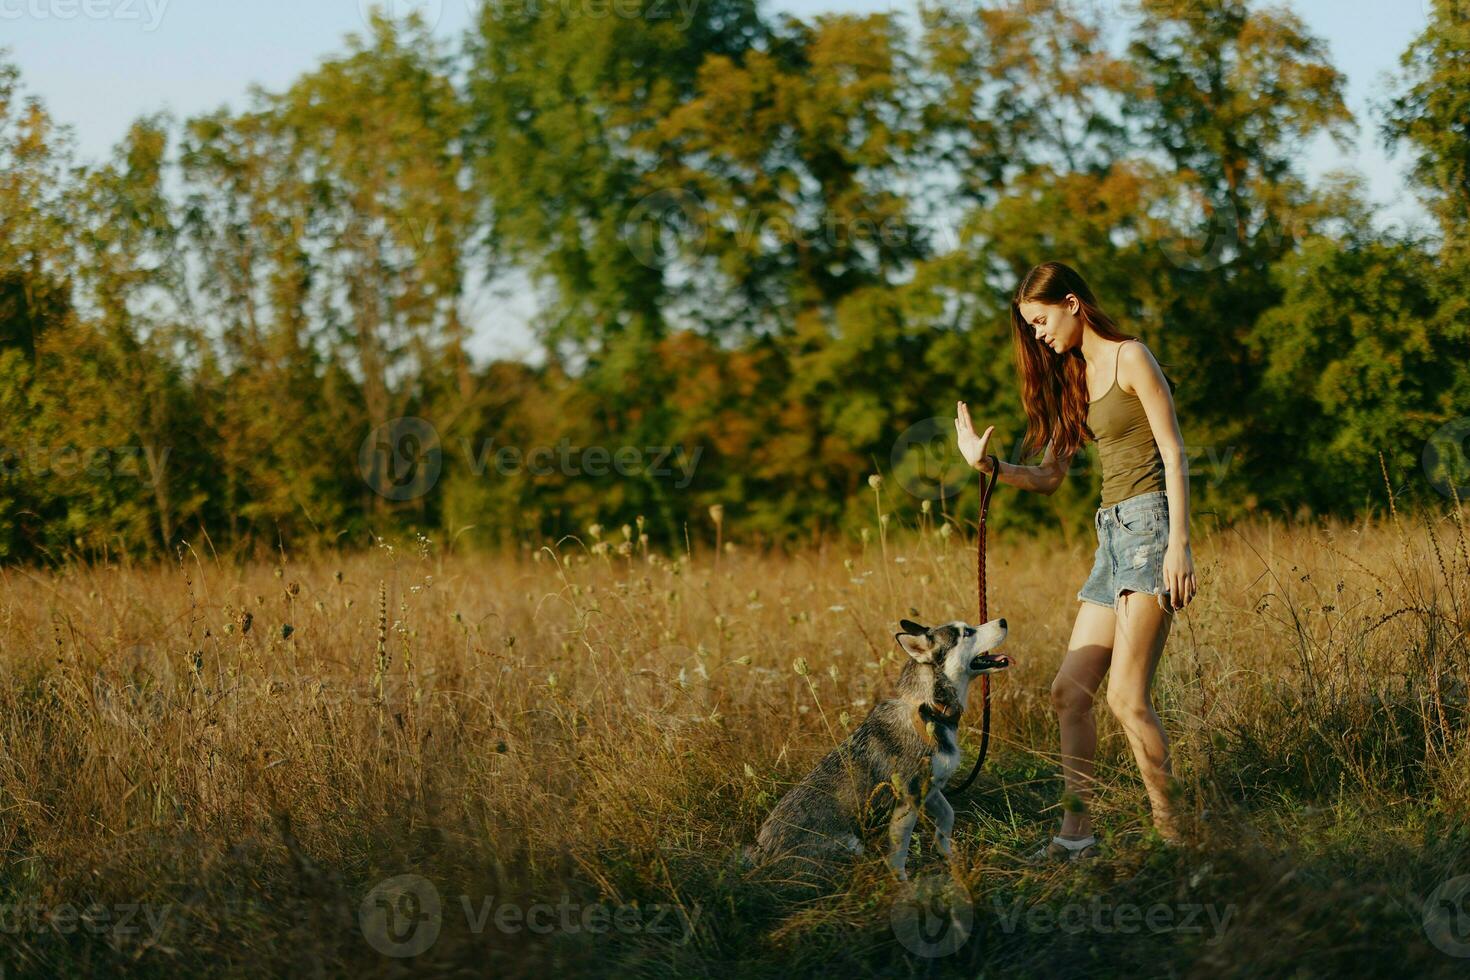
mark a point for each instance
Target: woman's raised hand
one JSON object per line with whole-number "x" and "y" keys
{"x": 973, "y": 447}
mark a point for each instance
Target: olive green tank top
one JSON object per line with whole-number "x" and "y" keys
{"x": 1126, "y": 450}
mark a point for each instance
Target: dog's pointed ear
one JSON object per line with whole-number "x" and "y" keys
{"x": 911, "y": 627}
{"x": 920, "y": 647}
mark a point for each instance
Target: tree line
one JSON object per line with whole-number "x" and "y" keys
{"x": 767, "y": 254}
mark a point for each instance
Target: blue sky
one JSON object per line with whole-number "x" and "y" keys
{"x": 98, "y": 64}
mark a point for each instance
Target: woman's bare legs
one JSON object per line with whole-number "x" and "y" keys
{"x": 1142, "y": 628}
{"x": 1089, "y": 652}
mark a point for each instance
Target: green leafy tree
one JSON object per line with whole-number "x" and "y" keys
{"x": 561, "y": 96}
{"x": 1358, "y": 356}
{"x": 1431, "y": 114}
{"x": 35, "y": 155}
{"x": 337, "y": 228}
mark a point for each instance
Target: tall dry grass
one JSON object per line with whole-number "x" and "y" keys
{"x": 246, "y": 751}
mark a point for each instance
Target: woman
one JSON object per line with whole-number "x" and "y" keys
{"x": 1082, "y": 378}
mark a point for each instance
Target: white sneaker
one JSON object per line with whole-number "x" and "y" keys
{"x": 1063, "y": 849}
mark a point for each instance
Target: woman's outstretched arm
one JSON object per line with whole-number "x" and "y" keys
{"x": 976, "y": 450}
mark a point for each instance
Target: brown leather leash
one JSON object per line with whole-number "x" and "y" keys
{"x": 984, "y": 618}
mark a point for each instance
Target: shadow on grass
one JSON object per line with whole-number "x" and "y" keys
{"x": 1267, "y": 888}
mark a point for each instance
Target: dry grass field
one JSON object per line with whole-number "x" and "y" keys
{"x": 415, "y": 762}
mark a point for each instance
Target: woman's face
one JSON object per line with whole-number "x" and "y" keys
{"x": 1059, "y": 327}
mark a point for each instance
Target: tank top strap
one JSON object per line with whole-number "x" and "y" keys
{"x": 1116, "y": 359}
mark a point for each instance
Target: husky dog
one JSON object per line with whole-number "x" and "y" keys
{"x": 910, "y": 743}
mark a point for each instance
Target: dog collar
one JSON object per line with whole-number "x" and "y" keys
{"x": 927, "y": 713}
{"x": 948, "y": 714}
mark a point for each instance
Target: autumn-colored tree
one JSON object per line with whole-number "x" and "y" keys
{"x": 768, "y": 257}
{"x": 338, "y": 228}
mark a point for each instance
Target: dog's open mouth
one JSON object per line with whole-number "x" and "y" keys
{"x": 986, "y": 662}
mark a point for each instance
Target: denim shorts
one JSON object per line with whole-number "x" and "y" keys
{"x": 1132, "y": 536}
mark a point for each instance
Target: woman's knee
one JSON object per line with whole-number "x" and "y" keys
{"x": 1069, "y": 697}
{"x": 1131, "y": 709}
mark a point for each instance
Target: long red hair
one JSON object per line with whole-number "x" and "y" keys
{"x": 1054, "y": 386}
